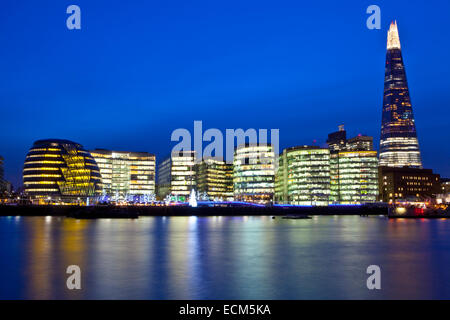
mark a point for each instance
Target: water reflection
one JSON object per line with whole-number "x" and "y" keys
{"x": 224, "y": 258}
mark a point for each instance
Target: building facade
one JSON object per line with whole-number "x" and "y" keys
{"x": 346, "y": 186}
{"x": 2, "y": 176}
{"x": 254, "y": 173}
{"x": 358, "y": 177}
{"x": 176, "y": 175}
{"x": 126, "y": 173}
{"x": 215, "y": 179}
{"x": 408, "y": 183}
{"x": 399, "y": 145}
{"x": 303, "y": 176}
{"x": 60, "y": 170}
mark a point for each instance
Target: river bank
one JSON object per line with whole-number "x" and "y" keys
{"x": 135, "y": 211}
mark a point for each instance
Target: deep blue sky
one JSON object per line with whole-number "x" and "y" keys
{"x": 137, "y": 70}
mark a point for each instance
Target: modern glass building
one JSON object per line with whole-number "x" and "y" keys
{"x": 339, "y": 145}
{"x": 176, "y": 175}
{"x": 303, "y": 176}
{"x": 215, "y": 178}
{"x": 60, "y": 170}
{"x": 358, "y": 177}
{"x": 399, "y": 146}
{"x": 126, "y": 173}
{"x": 254, "y": 173}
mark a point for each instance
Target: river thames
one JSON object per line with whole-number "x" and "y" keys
{"x": 224, "y": 258}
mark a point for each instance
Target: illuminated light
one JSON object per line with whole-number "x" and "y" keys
{"x": 393, "y": 41}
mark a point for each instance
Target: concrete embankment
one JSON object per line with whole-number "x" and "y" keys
{"x": 107, "y": 211}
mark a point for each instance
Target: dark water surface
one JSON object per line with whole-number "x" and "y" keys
{"x": 224, "y": 258}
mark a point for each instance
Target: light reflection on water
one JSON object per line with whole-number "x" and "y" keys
{"x": 224, "y": 258}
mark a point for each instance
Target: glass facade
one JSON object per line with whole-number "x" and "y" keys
{"x": 215, "y": 178}
{"x": 303, "y": 176}
{"x": 60, "y": 169}
{"x": 176, "y": 175}
{"x": 126, "y": 173}
{"x": 254, "y": 173}
{"x": 398, "y": 144}
{"x": 358, "y": 177}
{"x": 338, "y": 145}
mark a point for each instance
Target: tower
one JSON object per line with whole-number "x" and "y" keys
{"x": 399, "y": 146}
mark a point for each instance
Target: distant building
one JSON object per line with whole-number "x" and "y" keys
{"x": 2, "y": 177}
{"x": 399, "y": 146}
{"x": 337, "y": 140}
{"x": 303, "y": 176}
{"x": 126, "y": 173}
{"x": 215, "y": 178}
{"x": 176, "y": 175}
{"x": 445, "y": 185}
{"x": 254, "y": 173}
{"x": 407, "y": 183}
{"x": 358, "y": 177}
{"x": 60, "y": 170}
{"x": 359, "y": 152}
{"x": 360, "y": 143}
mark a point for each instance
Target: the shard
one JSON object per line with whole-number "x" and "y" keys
{"x": 399, "y": 146}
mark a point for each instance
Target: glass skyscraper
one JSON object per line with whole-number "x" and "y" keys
{"x": 399, "y": 146}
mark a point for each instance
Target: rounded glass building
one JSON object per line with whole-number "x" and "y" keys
{"x": 60, "y": 170}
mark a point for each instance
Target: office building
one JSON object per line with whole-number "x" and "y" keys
{"x": 360, "y": 143}
{"x": 342, "y": 152}
{"x": 413, "y": 184}
{"x": 303, "y": 176}
{"x": 60, "y": 170}
{"x": 399, "y": 145}
{"x": 215, "y": 179}
{"x": 126, "y": 173}
{"x": 176, "y": 175}
{"x": 358, "y": 177}
{"x": 254, "y": 173}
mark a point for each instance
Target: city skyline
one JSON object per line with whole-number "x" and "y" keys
{"x": 133, "y": 115}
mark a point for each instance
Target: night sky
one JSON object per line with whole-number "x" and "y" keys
{"x": 137, "y": 70}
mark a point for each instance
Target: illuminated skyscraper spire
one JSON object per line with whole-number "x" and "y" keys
{"x": 393, "y": 41}
{"x": 399, "y": 146}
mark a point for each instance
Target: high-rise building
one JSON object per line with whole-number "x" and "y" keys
{"x": 399, "y": 146}
{"x": 303, "y": 176}
{"x": 126, "y": 173}
{"x": 358, "y": 177}
{"x": 254, "y": 173}
{"x": 407, "y": 183}
{"x": 60, "y": 170}
{"x": 215, "y": 178}
{"x": 176, "y": 175}
{"x": 342, "y": 152}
